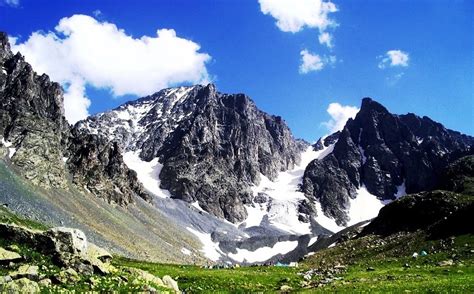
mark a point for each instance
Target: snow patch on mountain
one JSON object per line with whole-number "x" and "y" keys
{"x": 401, "y": 191}
{"x": 185, "y": 251}
{"x": 11, "y": 150}
{"x": 210, "y": 248}
{"x": 325, "y": 221}
{"x": 130, "y": 123}
{"x": 263, "y": 253}
{"x": 197, "y": 206}
{"x": 6, "y": 143}
{"x": 148, "y": 173}
{"x": 312, "y": 241}
{"x": 280, "y": 209}
{"x": 365, "y": 206}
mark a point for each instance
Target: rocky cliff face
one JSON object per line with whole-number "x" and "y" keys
{"x": 96, "y": 165}
{"x": 212, "y": 146}
{"x": 42, "y": 146}
{"x": 385, "y": 153}
{"x": 32, "y": 120}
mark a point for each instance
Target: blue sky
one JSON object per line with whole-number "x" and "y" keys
{"x": 242, "y": 50}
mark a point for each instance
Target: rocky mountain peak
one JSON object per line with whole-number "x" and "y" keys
{"x": 212, "y": 146}
{"x": 41, "y": 144}
{"x": 5, "y": 51}
{"x": 386, "y": 154}
{"x": 368, "y": 104}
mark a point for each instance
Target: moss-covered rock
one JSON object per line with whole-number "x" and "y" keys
{"x": 7, "y": 256}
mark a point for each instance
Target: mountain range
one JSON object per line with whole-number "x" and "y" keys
{"x": 193, "y": 174}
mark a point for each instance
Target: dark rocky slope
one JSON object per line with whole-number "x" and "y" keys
{"x": 213, "y": 146}
{"x": 33, "y": 126}
{"x": 441, "y": 213}
{"x": 382, "y": 151}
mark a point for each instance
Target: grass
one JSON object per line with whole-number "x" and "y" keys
{"x": 6, "y": 216}
{"x": 394, "y": 270}
{"x": 194, "y": 279}
{"x": 121, "y": 281}
{"x": 392, "y": 276}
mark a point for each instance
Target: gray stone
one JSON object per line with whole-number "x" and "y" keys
{"x": 170, "y": 283}
{"x": 67, "y": 246}
{"x": 25, "y": 271}
{"x": 67, "y": 276}
{"x": 45, "y": 282}
{"x": 285, "y": 288}
{"x": 7, "y": 256}
{"x": 145, "y": 276}
{"x": 448, "y": 262}
{"x": 5, "y": 279}
{"x": 22, "y": 285}
{"x": 68, "y": 240}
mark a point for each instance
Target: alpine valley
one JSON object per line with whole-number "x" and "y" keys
{"x": 190, "y": 175}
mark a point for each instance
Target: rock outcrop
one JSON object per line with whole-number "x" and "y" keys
{"x": 384, "y": 153}
{"x": 32, "y": 121}
{"x": 212, "y": 146}
{"x": 96, "y": 164}
{"x": 67, "y": 247}
{"x": 62, "y": 258}
{"x": 442, "y": 213}
{"x": 44, "y": 148}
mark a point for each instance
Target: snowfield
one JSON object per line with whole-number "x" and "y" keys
{"x": 210, "y": 249}
{"x": 263, "y": 253}
{"x": 148, "y": 173}
{"x": 281, "y": 208}
{"x": 365, "y": 206}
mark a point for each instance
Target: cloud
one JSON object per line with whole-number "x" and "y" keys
{"x": 12, "y": 3}
{"x": 394, "y": 58}
{"x": 97, "y": 13}
{"x": 339, "y": 116}
{"x": 325, "y": 39}
{"x": 310, "y": 62}
{"x": 314, "y": 62}
{"x": 293, "y": 15}
{"x": 83, "y": 51}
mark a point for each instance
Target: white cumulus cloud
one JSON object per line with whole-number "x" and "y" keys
{"x": 83, "y": 51}
{"x": 394, "y": 58}
{"x": 339, "y": 116}
{"x": 314, "y": 62}
{"x": 294, "y": 15}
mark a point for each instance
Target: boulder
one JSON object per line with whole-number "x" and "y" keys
{"x": 25, "y": 271}
{"x": 67, "y": 276}
{"x": 448, "y": 262}
{"x": 45, "y": 282}
{"x": 145, "y": 276}
{"x": 5, "y": 279}
{"x": 68, "y": 247}
{"x": 285, "y": 288}
{"x": 22, "y": 285}
{"x": 68, "y": 240}
{"x": 8, "y": 256}
{"x": 99, "y": 258}
{"x": 170, "y": 283}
